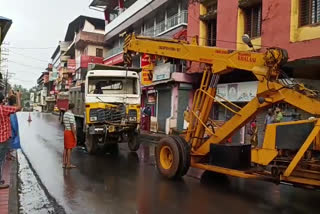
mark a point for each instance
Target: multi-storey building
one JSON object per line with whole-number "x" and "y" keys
{"x": 85, "y": 36}
{"x": 42, "y": 91}
{"x": 289, "y": 24}
{"x": 83, "y": 44}
{"x": 168, "y": 89}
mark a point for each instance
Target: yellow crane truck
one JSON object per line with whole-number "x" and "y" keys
{"x": 290, "y": 150}
{"x": 107, "y": 108}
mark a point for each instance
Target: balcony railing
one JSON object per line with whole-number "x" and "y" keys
{"x": 114, "y": 51}
{"x": 166, "y": 25}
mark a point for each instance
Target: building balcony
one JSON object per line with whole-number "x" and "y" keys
{"x": 113, "y": 52}
{"x": 83, "y": 61}
{"x": 168, "y": 24}
{"x": 64, "y": 58}
{"x": 83, "y": 38}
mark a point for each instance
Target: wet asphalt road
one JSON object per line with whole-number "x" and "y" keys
{"x": 129, "y": 182}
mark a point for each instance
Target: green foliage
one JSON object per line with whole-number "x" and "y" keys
{"x": 25, "y": 94}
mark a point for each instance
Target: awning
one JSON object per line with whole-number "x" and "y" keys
{"x": 5, "y": 24}
{"x": 160, "y": 82}
{"x": 103, "y": 3}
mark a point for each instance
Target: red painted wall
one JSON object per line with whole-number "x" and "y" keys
{"x": 193, "y": 30}
{"x": 227, "y": 24}
{"x": 85, "y": 60}
{"x": 193, "y": 21}
{"x": 276, "y": 30}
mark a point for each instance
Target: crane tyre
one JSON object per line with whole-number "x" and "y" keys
{"x": 168, "y": 158}
{"x": 184, "y": 150}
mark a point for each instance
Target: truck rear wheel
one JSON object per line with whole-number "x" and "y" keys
{"x": 91, "y": 144}
{"x": 133, "y": 142}
{"x": 172, "y": 157}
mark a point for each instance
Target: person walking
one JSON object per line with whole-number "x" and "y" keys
{"x": 5, "y": 131}
{"x": 70, "y": 136}
{"x": 278, "y": 116}
{"x": 15, "y": 138}
{"x": 254, "y": 133}
{"x": 269, "y": 118}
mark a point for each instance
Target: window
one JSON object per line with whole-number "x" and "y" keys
{"x": 253, "y": 21}
{"x": 99, "y": 52}
{"x": 112, "y": 85}
{"x": 212, "y": 32}
{"x": 309, "y": 12}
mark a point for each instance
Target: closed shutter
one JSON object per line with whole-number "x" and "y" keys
{"x": 164, "y": 108}
{"x": 183, "y": 101}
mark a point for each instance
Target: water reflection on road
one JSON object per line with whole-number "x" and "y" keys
{"x": 129, "y": 182}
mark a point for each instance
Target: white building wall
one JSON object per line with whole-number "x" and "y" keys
{"x": 91, "y": 50}
{"x": 88, "y": 27}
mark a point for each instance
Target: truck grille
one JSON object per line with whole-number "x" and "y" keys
{"x": 115, "y": 115}
{"x": 99, "y": 113}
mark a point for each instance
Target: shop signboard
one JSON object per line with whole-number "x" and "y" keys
{"x": 162, "y": 72}
{"x": 71, "y": 64}
{"x": 53, "y": 75}
{"x": 114, "y": 60}
{"x": 152, "y": 98}
{"x": 146, "y": 73}
{"x": 237, "y": 92}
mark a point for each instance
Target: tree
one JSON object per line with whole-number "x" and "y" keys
{"x": 25, "y": 93}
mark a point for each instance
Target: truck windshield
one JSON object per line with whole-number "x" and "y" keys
{"x": 112, "y": 85}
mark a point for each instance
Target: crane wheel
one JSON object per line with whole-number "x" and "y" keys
{"x": 184, "y": 149}
{"x": 172, "y": 157}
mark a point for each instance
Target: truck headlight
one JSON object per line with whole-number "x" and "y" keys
{"x": 132, "y": 119}
{"x": 93, "y": 119}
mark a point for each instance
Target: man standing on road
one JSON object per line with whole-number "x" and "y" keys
{"x": 5, "y": 131}
{"x": 278, "y": 116}
{"x": 269, "y": 118}
{"x": 70, "y": 136}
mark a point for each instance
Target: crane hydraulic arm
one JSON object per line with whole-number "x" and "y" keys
{"x": 222, "y": 59}
{"x": 266, "y": 68}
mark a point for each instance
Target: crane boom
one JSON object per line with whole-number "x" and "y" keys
{"x": 222, "y": 59}
{"x": 266, "y": 66}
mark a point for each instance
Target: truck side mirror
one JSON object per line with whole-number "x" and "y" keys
{"x": 82, "y": 88}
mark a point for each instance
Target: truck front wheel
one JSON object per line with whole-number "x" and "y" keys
{"x": 133, "y": 142}
{"x": 91, "y": 144}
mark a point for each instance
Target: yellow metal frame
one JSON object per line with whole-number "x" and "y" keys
{"x": 265, "y": 67}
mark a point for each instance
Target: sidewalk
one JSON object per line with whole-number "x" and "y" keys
{"x": 9, "y": 197}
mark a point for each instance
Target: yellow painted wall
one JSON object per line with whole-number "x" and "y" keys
{"x": 203, "y": 27}
{"x": 304, "y": 33}
{"x": 240, "y": 31}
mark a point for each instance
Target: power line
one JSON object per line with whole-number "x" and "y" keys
{"x": 38, "y": 48}
{"x": 21, "y": 64}
{"x": 40, "y": 60}
{"x": 13, "y": 79}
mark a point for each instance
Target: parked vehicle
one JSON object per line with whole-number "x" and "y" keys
{"x": 107, "y": 107}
